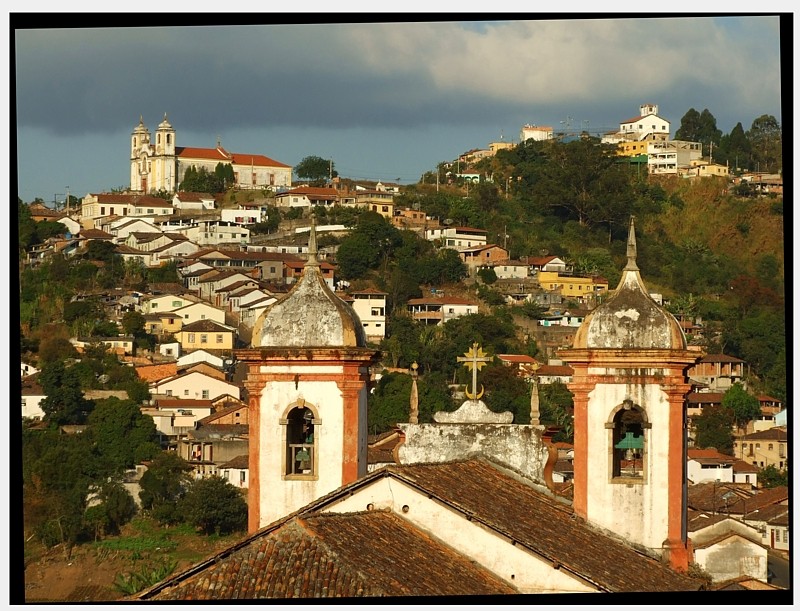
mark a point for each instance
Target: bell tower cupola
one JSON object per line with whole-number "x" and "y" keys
{"x": 629, "y": 385}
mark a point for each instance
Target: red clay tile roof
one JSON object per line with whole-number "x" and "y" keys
{"x": 362, "y": 554}
{"x": 153, "y": 373}
{"x": 542, "y": 524}
{"x": 517, "y": 358}
{"x": 238, "y": 462}
{"x": 184, "y": 403}
{"x": 206, "y": 325}
{"x": 555, "y": 370}
{"x": 719, "y": 358}
{"x": 775, "y": 433}
{"x": 137, "y": 200}
{"x": 221, "y": 154}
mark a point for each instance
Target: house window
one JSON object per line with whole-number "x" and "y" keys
{"x": 301, "y": 434}
{"x": 202, "y": 316}
{"x": 781, "y": 451}
{"x": 219, "y": 338}
{"x": 169, "y": 392}
{"x": 171, "y": 321}
{"x": 205, "y": 394}
{"x": 176, "y": 304}
{"x": 203, "y": 338}
{"x": 241, "y": 477}
{"x": 185, "y": 392}
{"x": 769, "y": 447}
{"x": 377, "y": 311}
{"x": 628, "y": 441}
{"x": 191, "y": 338}
{"x": 102, "y": 209}
{"x": 786, "y": 536}
{"x": 149, "y": 211}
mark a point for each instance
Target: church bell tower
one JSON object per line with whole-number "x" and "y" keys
{"x": 629, "y": 359}
{"x": 308, "y": 384}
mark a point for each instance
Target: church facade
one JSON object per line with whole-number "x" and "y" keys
{"x": 157, "y": 163}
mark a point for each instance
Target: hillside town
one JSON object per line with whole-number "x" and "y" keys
{"x": 250, "y": 336}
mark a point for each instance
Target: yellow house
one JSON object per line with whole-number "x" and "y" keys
{"x": 632, "y": 148}
{"x": 572, "y": 286}
{"x": 206, "y": 335}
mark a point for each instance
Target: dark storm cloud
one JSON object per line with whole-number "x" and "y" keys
{"x": 76, "y": 81}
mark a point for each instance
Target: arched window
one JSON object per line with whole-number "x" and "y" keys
{"x": 628, "y": 441}
{"x": 301, "y": 448}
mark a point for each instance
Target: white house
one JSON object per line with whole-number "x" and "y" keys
{"x": 152, "y": 304}
{"x": 71, "y": 224}
{"x": 242, "y": 216}
{"x": 510, "y": 270}
{"x": 97, "y": 205}
{"x": 236, "y": 471}
{"x": 671, "y": 156}
{"x": 370, "y": 305}
{"x": 200, "y": 311}
{"x": 121, "y": 228}
{"x": 32, "y": 396}
{"x": 457, "y": 237}
{"x": 727, "y": 548}
{"x": 201, "y": 356}
{"x": 185, "y": 200}
{"x": 27, "y": 370}
{"x": 647, "y": 125}
{"x": 438, "y": 310}
{"x": 194, "y": 385}
{"x": 708, "y": 465}
{"x": 213, "y": 232}
{"x": 172, "y": 350}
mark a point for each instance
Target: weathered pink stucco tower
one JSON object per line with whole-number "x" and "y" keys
{"x": 308, "y": 383}
{"x": 629, "y": 357}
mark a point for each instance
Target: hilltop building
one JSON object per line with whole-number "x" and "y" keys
{"x": 160, "y": 164}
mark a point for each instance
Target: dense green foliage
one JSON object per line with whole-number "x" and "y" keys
{"x": 771, "y": 477}
{"x": 714, "y": 429}
{"x": 315, "y": 169}
{"x": 202, "y": 181}
{"x": 390, "y": 403}
{"x": 745, "y": 407}
{"x": 213, "y": 505}
{"x": 163, "y": 486}
{"x": 122, "y": 434}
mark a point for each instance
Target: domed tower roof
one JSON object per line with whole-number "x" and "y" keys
{"x": 630, "y": 318}
{"x": 141, "y": 128}
{"x": 164, "y": 124}
{"x": 310, "y": 315}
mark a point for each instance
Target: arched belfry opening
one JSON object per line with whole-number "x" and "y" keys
{"x": 628, "y": 428}
{"x": 300, "y": 426}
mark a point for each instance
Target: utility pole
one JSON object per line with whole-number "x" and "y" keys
{"x": 67, "y": 200}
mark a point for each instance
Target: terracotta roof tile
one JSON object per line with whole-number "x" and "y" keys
{"x": 330, "y": 556}
{"x": 153, "y": 373}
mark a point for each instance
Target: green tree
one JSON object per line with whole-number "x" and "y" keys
{"x": 771, "y": 477}
{"x": 100, "y": 250}
{"x": 735, "y": 149}
{"x": 555, "y": 408}
{"x": 507, "y": 391}
{"x": 690, "y": 128}
{"x": 745, "y": 407}
{"x": 487, "y": 275}
{"x": 224, "y": 176}
{"x": 116, "y": 507}
{"x": 765, "y": 138}
{"x": 133, "y": 323}
{"x": 56, "y": 349}
{"x": 213, "y": 505}
{"x": 714, "y": 429}
{"x": 64, "y": 403}
{"x": 163, "y": 485}
{"x": 584, "y": 181}
{"x": 122, "y": 434}
{"x": 315, "y": 169}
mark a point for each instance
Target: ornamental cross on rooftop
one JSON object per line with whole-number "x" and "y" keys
{"x": 474, "y": 359}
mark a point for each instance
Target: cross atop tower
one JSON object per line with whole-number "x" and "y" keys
{"x": 475, "y": 358}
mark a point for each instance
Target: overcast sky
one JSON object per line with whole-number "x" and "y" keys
{"x": 382, "y": 100}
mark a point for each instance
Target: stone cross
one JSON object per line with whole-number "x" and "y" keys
{"x": 475, "y": 358}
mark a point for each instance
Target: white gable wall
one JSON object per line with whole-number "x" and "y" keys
{"x": 512, "y": 563}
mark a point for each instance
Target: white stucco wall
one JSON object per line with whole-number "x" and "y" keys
{"x": 280, "y": 496}
{"x": 733, "y": 557}
{"x": 514, "y": 564}
{"x": 697, "y": 474}
{"x": 634, "y": 511}
{"x": 30, "y": 406}
{"x": 517, "y": 446}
